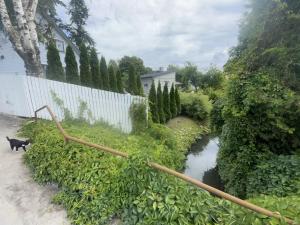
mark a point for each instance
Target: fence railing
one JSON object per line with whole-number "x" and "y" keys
{"x": 167, "y": 170}
{"x": 20, "y": 95}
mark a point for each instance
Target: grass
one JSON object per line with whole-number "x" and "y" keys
{"x": 186, "y": 131}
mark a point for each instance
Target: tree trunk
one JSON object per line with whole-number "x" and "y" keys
{"x": 23, "y": 36}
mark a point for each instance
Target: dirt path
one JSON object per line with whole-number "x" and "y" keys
{"x": 22, "y": 201}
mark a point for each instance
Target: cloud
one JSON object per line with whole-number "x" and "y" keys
{"x": 164, "y": 32}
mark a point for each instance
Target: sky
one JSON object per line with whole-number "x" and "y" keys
{"x": 164, "y": 32}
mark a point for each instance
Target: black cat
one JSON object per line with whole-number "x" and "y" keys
{"x": 17, "y": 143}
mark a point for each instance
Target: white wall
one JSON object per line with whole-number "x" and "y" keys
{"x": 170, "y": 78}
{"x": 10, "y": 61}
{"x": 21, "y": 95}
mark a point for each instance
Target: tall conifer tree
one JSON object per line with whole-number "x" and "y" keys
{"x": 178, "y": 104}
{"x": 112, "y": 79}
{"x": 166, "y": 102}
{"x": 173, "y": 107}
{"x": 55, "y": 69}
{"x": 85, "y": 73}
{"x": 160, "y": 104}
{"x": 153, "y": 103}
{"x": 104, "y": 74}
{"x": 95, "y": 69}
{"x": 72, "y": 75}
{"x": 119, "y": 82}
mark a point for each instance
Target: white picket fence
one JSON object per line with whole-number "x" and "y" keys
{"x": 20, "y": 95}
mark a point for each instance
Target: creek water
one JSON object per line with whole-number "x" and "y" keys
{"x": 201, "y": 161}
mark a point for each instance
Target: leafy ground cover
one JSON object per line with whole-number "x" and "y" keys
{"x": 186, "y": 131}
{"x": 95, "y": 186}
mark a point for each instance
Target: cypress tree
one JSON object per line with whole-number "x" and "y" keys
{"x": 119, "y": 82}
{"x": 95, "y": 69}
{"x": 139, "y": 86}
{"x": 153, "y": 103}
{"x": 166, "y": 97}
{"x": 104, "y": 74}
{"x": 112, "y": 79}
{"x": 72, "y": 75}
{"x": 55, "y": 69}
{"x": 85, "y": 73}
{"x": 160, "y": 105}
{"x": 178, "y": 104}
{"x": 132, "y": 87}
{"x": 173, "y": 107}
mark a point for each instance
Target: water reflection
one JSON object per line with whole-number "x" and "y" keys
{"x": 202, "y": 161}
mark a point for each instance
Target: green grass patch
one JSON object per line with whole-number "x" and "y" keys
{"x": 186, "y": 131}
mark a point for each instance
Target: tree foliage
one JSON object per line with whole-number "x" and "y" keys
{"x": 261, "y": 118}
{"x": 55, "y": 69}
{"x": 166, "y": 103}
{"x": 72, "y": 75}
{"x": 277, "y": 54}
{"x": 112, "y": 79}
{"x": 132, "y": 84}
{"x": 178, "y": 102}
{"x": 213, "y": 78}
{"x": 160, "y": 104}
{"x": 195, "y": 105}
{"x": 95, "y": 69}
{"x": 261, "y": 109}
{"x": 78, "y": 15}
{"x": 104, "y": 74}
{"x": 138, "y": 63}
{"x": 173, "y": 107}
{"x": 153, "y": 103}
{"x": 85, "y": 73}
{"x": 119, "y": 82}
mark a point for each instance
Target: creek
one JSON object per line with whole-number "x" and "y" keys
{"x": 201, "y": 161}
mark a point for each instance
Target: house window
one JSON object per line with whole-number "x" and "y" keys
{"x": 145, "y": 85}
{"x": 60, "y": 45}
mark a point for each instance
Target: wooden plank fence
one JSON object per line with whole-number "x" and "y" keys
{"x": 20, "y": 95}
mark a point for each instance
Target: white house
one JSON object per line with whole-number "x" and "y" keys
{"x": 164, "y": 77}
{"x": 10, "y": 61}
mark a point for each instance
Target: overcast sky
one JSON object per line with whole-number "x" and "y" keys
{"x": 164, "y": 32}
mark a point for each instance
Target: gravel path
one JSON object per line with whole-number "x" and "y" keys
{"x": 22, "y": 201}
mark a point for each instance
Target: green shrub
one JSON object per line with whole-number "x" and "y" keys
{"x": 163, "y": 134}
{"x": 195, "y": 105}
{"x": 278, "y": 176}
{"x": 216, "y": 118}
{"x": 261, "y": 119}
{"x": 138, "y": 115}
{"x": 95, "y": 186}
{"x": 286, "y": 206}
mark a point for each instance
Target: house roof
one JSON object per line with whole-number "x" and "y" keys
{"x": 155, "y": 74}
{"x": 60, "y": 31}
